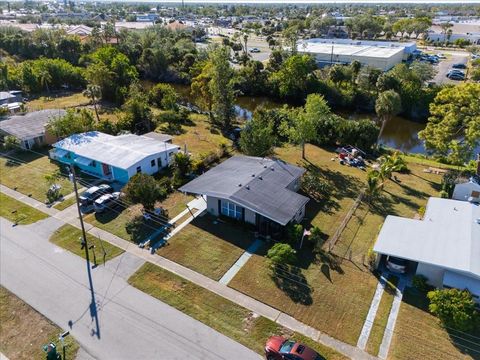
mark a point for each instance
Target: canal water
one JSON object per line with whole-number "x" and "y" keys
{"x": 399, "y": 133}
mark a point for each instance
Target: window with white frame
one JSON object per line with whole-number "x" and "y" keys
{"x": 231, "y": 210}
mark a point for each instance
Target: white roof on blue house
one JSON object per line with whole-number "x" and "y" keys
{"x": 123, "y": 151}
{"x": 448, "y": 236}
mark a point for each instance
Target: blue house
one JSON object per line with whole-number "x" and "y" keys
{"x": 114, "y": 158}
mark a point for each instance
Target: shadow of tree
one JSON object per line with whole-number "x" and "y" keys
{"x": 332, "y": 261}
{"x": 382, "y": 205}
{"x": 292, "y": 282}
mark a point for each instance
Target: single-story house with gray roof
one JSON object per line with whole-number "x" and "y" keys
{"x": 259, "y": 191}
{"x": 29, "y": 129}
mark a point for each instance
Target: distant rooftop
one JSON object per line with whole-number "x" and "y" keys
{"x": 349, "y": 49}
{"x": 121, "y": 151}
{"x": 30, "y": 125}
{"x": 259, "y": 184}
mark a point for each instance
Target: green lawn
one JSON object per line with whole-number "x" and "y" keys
{"x": 115, "y": 221}
{"x": 68, "y": 237}
{"x": 217, "y": 312}
{"x": 25, "y": 172}
{"x": 330, "y": 296}
{"x": 24, "y": 331}
{"x": 381, "y": 318}
{"x": 419, "y": 335}
{"x": 62, "y": 205}
{"x": 208, "y": 248}
{"x": 402, "y": 199}
{"x": 17, "y": 212}
{"x": 58, "y": 102}
{"x": 199, "y": 137}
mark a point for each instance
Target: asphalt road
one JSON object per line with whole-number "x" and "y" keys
{"x": 121, "y": 322}
{"x": 445, "y": 65}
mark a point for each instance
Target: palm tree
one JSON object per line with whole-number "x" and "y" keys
{"x": 388, "y": 104}
{"x": 44, "y": 78}
{"x": 390, "y": 164}
{"x": 93, "y": 92}
{"x": 373, "y": 186}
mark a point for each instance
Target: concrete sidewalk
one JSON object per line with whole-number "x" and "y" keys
{"x": 28, "y": 200}
{"x": 222, "y": 290}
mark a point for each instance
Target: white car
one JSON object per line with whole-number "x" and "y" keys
{"x": 106, "y": 201}
{"x": 441, "y": 56}
{"x": 396, "y": 264}
{"x": 255, "y": 50}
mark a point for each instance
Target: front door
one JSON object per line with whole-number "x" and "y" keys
{"x": 106, "y": 169}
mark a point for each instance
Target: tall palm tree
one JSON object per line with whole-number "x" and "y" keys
{"x": 93, "y": 92}
{"x": 44, "y": 78}
{"x": 388, "y": 104}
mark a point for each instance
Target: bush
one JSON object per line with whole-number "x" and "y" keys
{"x": 164, "y": 96}
{"x": 371, "y": 259}
{"x": 11, "y": 143}
{"x": 144, "y": 189}
{"x": 421, "y": 211}
{"x": 443, "y": 194}
{"x": 281, "y": 253}
{"x": 294, "y": 232}
{"x": 455, "y": 308}
{"x": 419, "y": 282}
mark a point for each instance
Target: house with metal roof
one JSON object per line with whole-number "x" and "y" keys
{"x": 115, "y": 158}
{"x": 258, "y": 191}
{"x": 445, "y": 245}
{"x": 29, "y": 128}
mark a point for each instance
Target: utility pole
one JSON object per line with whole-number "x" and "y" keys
{"x": 73, "y": 178}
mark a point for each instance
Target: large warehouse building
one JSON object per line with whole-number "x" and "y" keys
{"x": 379, "y": 54}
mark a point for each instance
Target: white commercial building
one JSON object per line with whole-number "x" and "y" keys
{"x": 445, "y": 244}
{"x": 379, "y": 54}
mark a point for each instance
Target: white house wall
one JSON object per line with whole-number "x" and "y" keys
{"x": 146, "y": 163}
{"x": 212, "y": 205}
{"x": 434, "y": 274}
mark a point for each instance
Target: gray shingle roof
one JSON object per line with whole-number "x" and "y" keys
{"x": 258, "y": 184}
{"x": 30, "y": 125}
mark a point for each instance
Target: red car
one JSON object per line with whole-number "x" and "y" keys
{"x": 279, "y": 348}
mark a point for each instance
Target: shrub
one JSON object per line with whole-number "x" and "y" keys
{"x": 421, "y": 211}
{"x": 371, "y": 259}
{"x": 455, "y": 308}
{"x": 10, "y": 142}
{"x": 419, "y": 282}
{"x": 294, "y": 232}
{"x": 443, "y": 194}
{"x": 281, "y": 253}
{"x": 144, "y": 189}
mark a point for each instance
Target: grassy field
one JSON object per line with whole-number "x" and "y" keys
{"x": 115, "y": 221}
{"x": 58, "y": 102}
{"x": 62, "y": 205}
{"x": 199, "y": 137}
{"x": 18, "y": 212}
{"x": 25, "y": 172}
{"x": 323, "y": 293}
{"x": 402, "y": 198}
{"x": 208, "y": 248}
{"x": 68, "y": 237}
{"x": 418, "y": 334}
{"x": 220, "y": 314}
{"x": 24, "y": 331}
{"x": 381, "y": 318}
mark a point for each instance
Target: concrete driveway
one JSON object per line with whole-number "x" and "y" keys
{"x": 115, "y": 320}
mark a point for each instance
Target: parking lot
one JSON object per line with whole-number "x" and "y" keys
{"x": 445, "y": 65}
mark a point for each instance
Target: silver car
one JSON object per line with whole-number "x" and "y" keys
{"x": 396, "y": 264}
{"x": 106, "y": 201}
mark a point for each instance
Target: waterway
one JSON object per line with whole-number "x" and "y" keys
{"x": 399, "y": 133}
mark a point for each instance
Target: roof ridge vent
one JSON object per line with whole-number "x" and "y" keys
{"x": 253, "y": 175}
{"x": 248, "y": 187}
{"x": 260, "y": 177}
{"x": 239, "y": 185}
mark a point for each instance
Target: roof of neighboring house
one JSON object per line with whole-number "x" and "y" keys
{"x": 80, "y": 30}
{"x": 176, "y": 26}
{"x": 448, "y": 236}
{"x": 258, "y": 184}
{"x": 121, "y": 151}
{"x": 159, "y": 136}
{"x": 30, "y": 125}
